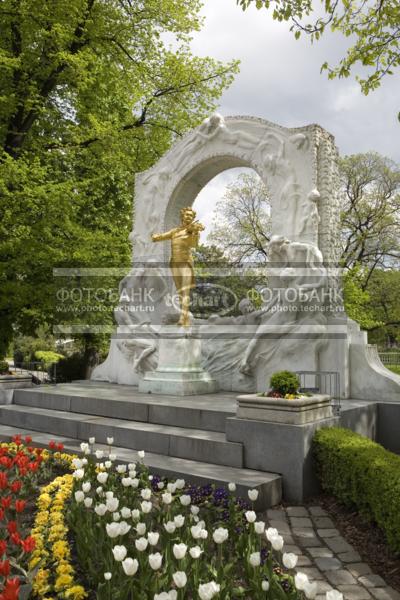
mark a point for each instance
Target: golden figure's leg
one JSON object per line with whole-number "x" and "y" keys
{"x": 183, "y": 279}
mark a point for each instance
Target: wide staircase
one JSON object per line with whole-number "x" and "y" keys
{"x": 182, "y": 437}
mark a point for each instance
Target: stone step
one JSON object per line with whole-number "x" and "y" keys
{"x": 200, "y": 412}
{"x": 180, "y": 442}
{"x": 269, "y": 485}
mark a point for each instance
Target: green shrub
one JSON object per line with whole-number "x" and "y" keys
{"x": 69, "y": 368}
{"x": 285, "y": 382}
{"x": 4, "y": 368}
{"x": 394, "y": 368}
{"x": 362, "y": 474}
{"x": 47, "y": 357}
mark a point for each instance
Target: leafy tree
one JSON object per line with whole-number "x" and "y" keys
{"x": 357, "y": 300}
{"x": 374, "y": 27}
{"x": 92, "y": 92}
{"x": 242, "y": 224}
{"x": 370, "y": 216}
{"x": 384, "y": 291}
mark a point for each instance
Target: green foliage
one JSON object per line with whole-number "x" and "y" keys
{"x": 394, "y": 368}
{"x": 4, "y": 368}
{"x": 357, "y": 300}
{"x": 69, "y": 368}
{"x": 92, "y": 93}
{"x": 285, "y": 382}
{"x": 26, "y": 347}
{"x": 47, "y": 357}
{"x": 384, "y": 291}
{"x": 374, "y": 27}
{"x": 362, "y": 474}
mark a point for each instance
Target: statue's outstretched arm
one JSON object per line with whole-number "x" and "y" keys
{"x": 160, "y": 237}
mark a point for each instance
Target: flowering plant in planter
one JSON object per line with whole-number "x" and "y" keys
{"x": 284, "y": 384}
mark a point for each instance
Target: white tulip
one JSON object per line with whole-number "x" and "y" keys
{"x": 179, "y": 520}
{"x": 255, "y": 559}
{"x": 112, "y": 504}
{"x": 180, "y": 579}
{"x": 79, "y": 474}
{"x": 195, "y": 552}
{"x": 84, "y": 461}
{"x": 289, "y": 560}
{"x": 112, "y": 457}
{"x": 265, "y": 585}
{"x": 180, "y": 484}
{"x": 204, "y": 534}
{"x": 110, "y": 494}
{"x": 79, "y": 496}
{"x": 146, "y": 506}
{"x": 259, "y": 527}
{"x": 88, "y": 502}
{"x": 300, "y": 581}
{"x": 121, "y": 469}
{"x": 194, "y": 510}
{"x": 126, "y": 481}
{"x": 84, "y": 447}
{"x": 220, "y": 535}
{"x": 153, "y": 537}
{"x": 135, "y": 483}
{"x": 150, "y": 478}
{"x": 141, "y": 454}
{"x": 77, "y": 463}
{"x": 155, "y": 561}
{"x": 99, "y": 491}
{"x": 232, "y": 487}
{"x": 311, "y": 590}
{"x": 110, "y": 441}
{"x": 277, "y": 542}
{"x": 250, "y": 516}
{"x": 119, "y": 553}
{"x": 124, "y": 528}
{"x": 126, "y": 512}
{"x": 141, "y": 544}
{"x": 166, "y": 498}
{"x": 146, "y": 493}
{"x": 253, "y": 495}
{"x": 195, "y": 530}
{"x": 170, "y": 527}
{"x": 179, "y": 550}
{"x": 171, "y": 595}
{"x": 208, "y": 590}
{"x": 160, "y": 485}
{"x": 99, "y": 454}
{"x": 171, "y": 487}
{"x": 102, "y": 477}
{"x": 334, "y": 595}
{"x": 141, "y": 528}
{"x": 130, "y": 566}
{"x": 116, "y": 516}
{"x": 100, "y": 509}
{"x": 132, "y": 473}
{"x": 185, "y": 499}
{"x": 107, "y": 576}
{"x": 271, "y": 533}
{"x": 108, "y": 464}
{"x": 86, "y": 487}
{"x": 92, "y": 440}
{"x": 135, "y": 514}
{"x": 113, "y": 530}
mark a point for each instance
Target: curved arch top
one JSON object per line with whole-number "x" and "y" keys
{"x": 297, "y": 164}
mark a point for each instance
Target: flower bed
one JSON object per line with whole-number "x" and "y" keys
{"x": 116, "y": 532}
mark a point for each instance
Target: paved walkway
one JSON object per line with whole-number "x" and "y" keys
{"x": 325, "y": 556}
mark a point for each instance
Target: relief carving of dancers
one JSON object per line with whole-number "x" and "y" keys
{"x": 286, "y": 311}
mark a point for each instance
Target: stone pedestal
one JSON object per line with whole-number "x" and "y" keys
{"x": 9, "y": 383}
{"x": 179, "y": 371}
{"x": 298, "y": 411}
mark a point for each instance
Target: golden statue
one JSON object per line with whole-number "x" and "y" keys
{"x": 183, "y": 239}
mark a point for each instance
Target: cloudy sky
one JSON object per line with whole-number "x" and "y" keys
{"x": 280, "y": 81}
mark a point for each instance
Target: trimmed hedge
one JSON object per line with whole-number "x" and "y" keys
{"x": 361, "y": 473}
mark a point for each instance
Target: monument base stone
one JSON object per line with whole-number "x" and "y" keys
{"x": 298, "y": 411}
{"x": 179, "y": 371}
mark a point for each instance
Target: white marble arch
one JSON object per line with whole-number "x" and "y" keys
{"x": 298, "y": 165}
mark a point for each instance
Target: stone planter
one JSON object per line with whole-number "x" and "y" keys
{"x": 9, "y": 383}
{"x": 279, "y": 410}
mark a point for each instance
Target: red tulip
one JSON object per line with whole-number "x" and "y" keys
{"x": 16, "y": 486}
{"x": 3, "y": 480}
{"x": 3, "y": 547}
{"x": 5, "y": 568}
{"x": 28, "y": 544}
{"x": 52, "y": 444}
{"x": 6, "y": 501}
{"x": 12, "y": 526}
{"x": 28, "y": 439}
{"x": 16, "y": 538}
{"x": 11, "y": 589}
{"x": 60, "y": 447}
{"x": 20, "y": 505}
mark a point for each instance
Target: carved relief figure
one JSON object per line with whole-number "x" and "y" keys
{"x": 309, "y": 217}
{"x": 183, "y": 239}
{"x": 140, "y": 346}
